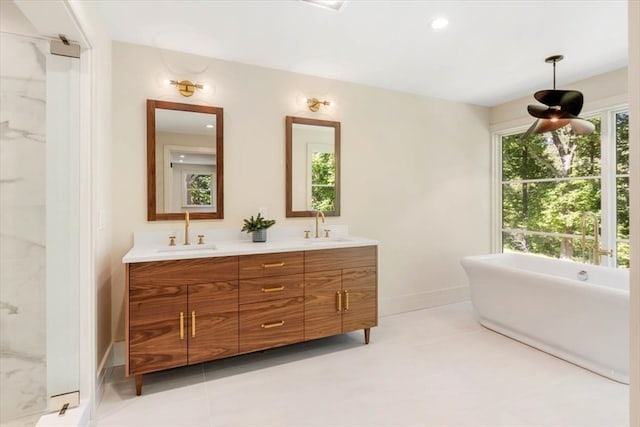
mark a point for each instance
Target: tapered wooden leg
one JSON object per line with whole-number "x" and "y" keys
{"x": 138, "y": 385}
{"x": 367, "y": 335}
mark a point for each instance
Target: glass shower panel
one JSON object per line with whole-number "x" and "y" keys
{"x": 62, "y": 225}
{"x": 22, "y": 226}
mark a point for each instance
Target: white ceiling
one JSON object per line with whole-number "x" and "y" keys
{"x": 491, "y": 52}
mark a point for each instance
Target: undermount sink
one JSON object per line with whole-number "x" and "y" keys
{"x": 327, "y": 240}
{"x": 188, "y": 248}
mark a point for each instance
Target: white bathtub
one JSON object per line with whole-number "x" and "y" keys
{"x": 541, "y": 302}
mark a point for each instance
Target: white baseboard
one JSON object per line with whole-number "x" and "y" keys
{"x": 102, "y": 374}
{"x": 117, "y": 354}
{"x": 405, "y": 303}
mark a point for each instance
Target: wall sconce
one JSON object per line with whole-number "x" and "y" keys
{"x": 314, "y": 104}
{"x": 186, "y": 87}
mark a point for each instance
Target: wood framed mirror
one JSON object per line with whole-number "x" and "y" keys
{"x": 184, "y": 161}
{"x": 312, "y": 167}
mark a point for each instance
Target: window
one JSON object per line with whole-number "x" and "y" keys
{"x": 547, "y": 181}
{"x": 323, "y": 181}
{"x": 197, "y": 190}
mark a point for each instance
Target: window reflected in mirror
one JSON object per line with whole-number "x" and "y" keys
{"x": 184, "y": 161}
{"x": 313, "y": 166}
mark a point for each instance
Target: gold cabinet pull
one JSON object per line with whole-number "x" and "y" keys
{"x": 338, "y": 301}
{"x": 274, "y": 289}
{"x": 193, "y": 323}
{"x": 273, "y": 265}
{"x": 272, "y": 325}
{"x": 346, "y": 300}
{"x": 182, "y": 325}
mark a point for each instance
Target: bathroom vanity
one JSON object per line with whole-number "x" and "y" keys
{"x": 191, "y": 305}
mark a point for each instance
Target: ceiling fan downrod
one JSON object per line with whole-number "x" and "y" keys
{"x": 553, "y": 59}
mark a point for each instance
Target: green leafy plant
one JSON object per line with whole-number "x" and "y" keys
{"x": 256, "y": 224}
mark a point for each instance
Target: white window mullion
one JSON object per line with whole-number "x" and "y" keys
{"x": 496, "y": 195}
{"x": 608, "y": 187}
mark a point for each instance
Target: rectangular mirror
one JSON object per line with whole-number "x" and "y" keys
{"x": 184, "y": 161}
{"x": 313, "y": 167}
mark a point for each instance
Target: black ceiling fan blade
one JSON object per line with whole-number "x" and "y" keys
{"x": 582, "y": 126}
{"x": 538, "y": 111}
{"x": 569, "y": 101}
{"x": 541, "y": 112}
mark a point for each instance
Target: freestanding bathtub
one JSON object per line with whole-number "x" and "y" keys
{"x": 577, "y": 312}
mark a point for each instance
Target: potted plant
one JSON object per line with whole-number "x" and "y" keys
{"x": 258, "y": 227}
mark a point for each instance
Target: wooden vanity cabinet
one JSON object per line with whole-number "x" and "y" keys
{"x": 340, "y": 291}
{"x": 180, "y": 312}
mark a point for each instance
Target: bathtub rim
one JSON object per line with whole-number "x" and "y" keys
{"x": 477, "y": 259}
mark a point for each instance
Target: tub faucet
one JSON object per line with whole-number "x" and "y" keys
{"x": 186, "y": 228}
{"x": 596, "y": 250}
{"x": 318, "y": 215}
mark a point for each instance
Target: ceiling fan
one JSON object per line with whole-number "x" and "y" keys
{"x": 562, "y": 108}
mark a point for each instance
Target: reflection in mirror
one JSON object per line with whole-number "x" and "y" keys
{"x": 184, "y": 161}
{"x": 313, "y": 166}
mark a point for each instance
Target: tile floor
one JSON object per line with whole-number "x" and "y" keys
{"x": 435, "y": 367}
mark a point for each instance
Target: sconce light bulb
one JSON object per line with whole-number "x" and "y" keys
{"x": 166, "y": 82}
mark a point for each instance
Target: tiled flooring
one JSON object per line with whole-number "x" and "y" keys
{"x": 435, "y": 367}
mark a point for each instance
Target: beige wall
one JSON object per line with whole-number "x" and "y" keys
{"x": 415, "y": 170}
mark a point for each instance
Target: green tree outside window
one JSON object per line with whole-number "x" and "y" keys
{"x": 199, "y": 192}
{"x": 323, "y": 181}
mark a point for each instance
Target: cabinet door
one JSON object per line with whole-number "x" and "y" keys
{"x": 322, "y": 301}
{"x": 213, "y": 321}
{"x": 360, "y": 307}
{"x": 157, "y": 334}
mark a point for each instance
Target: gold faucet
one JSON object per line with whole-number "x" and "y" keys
{"x": 186, "y": 228}
{"x": 596, "y": 250}
{"x": 318, "y": 215}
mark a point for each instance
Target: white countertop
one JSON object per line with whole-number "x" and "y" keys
{"x": 154, "y": 246}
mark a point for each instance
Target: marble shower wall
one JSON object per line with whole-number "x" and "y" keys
{"x": 22, "y": 227}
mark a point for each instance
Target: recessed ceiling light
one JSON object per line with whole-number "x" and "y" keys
{"x": 439, "y": 23}
{"x": 210, "y": 126}
{"x": 327, "y": 4}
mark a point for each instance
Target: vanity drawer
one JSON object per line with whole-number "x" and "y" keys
{"x": 271, "y": 324}
{"x": 275, "y": 264}
{"x": 337, "y": 259}
{"x": 271, "y": 288}
{"x": 184, "y": 271}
